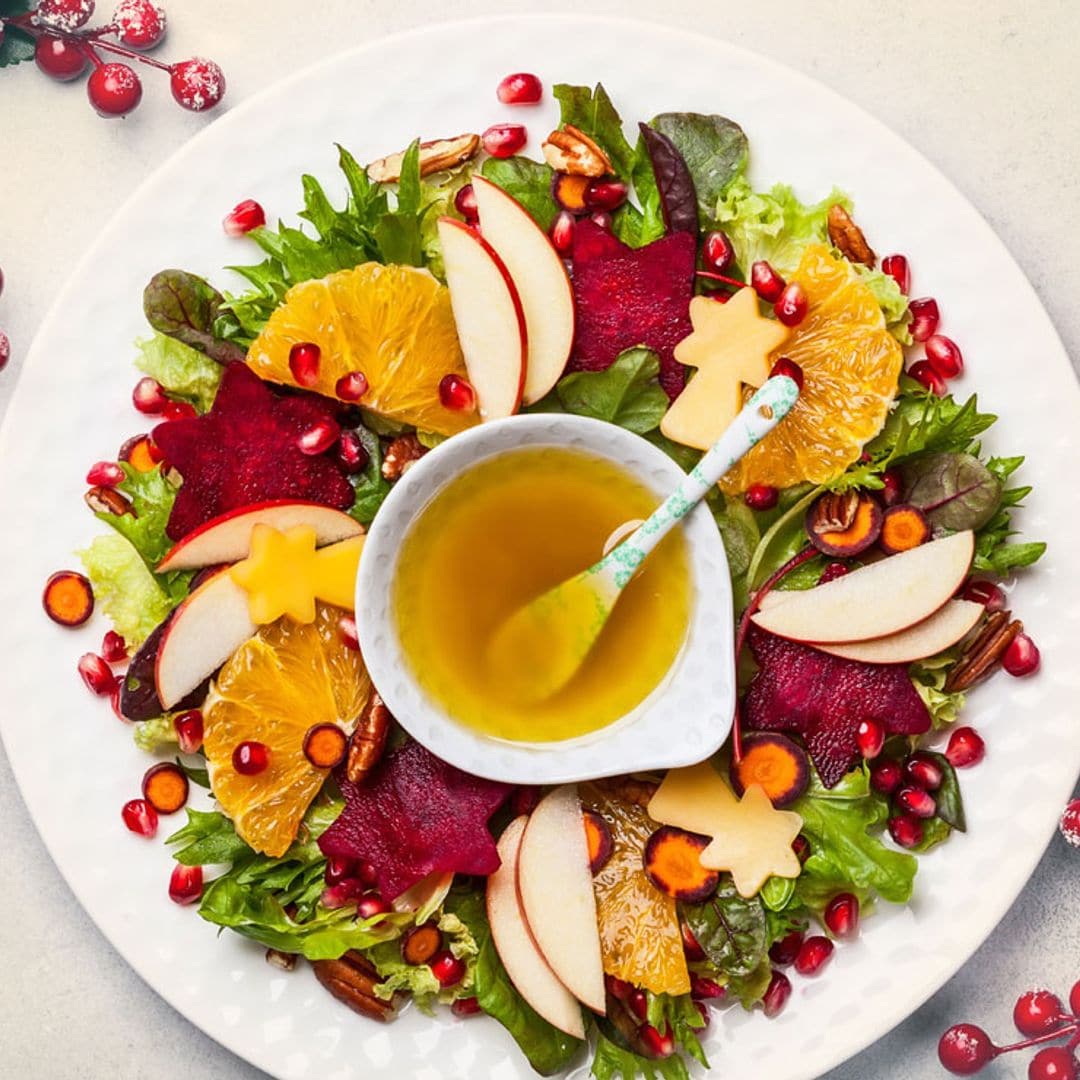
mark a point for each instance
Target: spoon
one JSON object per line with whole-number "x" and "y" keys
{"x": 554, "y": 633}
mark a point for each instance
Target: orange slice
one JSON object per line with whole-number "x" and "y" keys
{"x": 851, "y": 364}
{"x": 272, "y": 690}
{"x": 392, "y": 324}
{"x": 640, "y": 939}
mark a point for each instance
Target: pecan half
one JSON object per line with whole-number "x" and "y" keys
{"x": 283, "y": 961}
{"x": 834, "y": 512}
{"x": 983, "y": 654}
{"x": 435, "y": 156}
{"x": 369, "y": 739}
{"x": 107, "y": 500}
{"x": 400, "y": 454}
{"x": 572, "y": 151}
{"x": 352, "y": 980}
{"x": 848, "y": 237}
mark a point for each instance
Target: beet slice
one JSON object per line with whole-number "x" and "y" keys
{"x": 138, "y": 688}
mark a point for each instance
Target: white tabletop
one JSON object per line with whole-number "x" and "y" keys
{"x": 986, "y": 89}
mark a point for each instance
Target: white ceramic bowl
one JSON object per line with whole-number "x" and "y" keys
{"x": 685, "y": 719}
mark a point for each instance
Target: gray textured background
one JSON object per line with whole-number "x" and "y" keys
{"x": 986, "y": 89}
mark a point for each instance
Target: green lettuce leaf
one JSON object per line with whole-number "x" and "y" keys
{"x": 152, "y": 498}
{"x": 591, "y": 111}
{"x": 893, "y": 303}
{"x": 627, "y": 393}
{"x": 929, "y": 677}
{"x": 152, "y": 735}
{"x": 614, "y": 1062}
{"x": 730, "y": 929}
{"x": 527, "y": 181}
{"x": 183, "y": 371}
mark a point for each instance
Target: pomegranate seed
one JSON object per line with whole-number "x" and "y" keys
{"x": 637, "y": 1002}
{"x": 304, "y": 360}
{"x": 366, "y": 873}
{"x": 185, "y": 884}
{"x": 944, "y": 356}
{"x": 964, "y": 1049}
{"x": 788, "y": 367}
{"x": 319, "y": 437}
{"x": 924, "y": 772}
{"x": 197, "y": 84}
{"x": 465, "y": 204}
{"x": 784, "y": 951}
{"x": 833, "y": 571}
{"x": 922, "y": 372}
{"x": 114, "y": 90}
{"x": 870, "y": 738}
{"x": 654, "y": 1044}
{"x": 367, "y": 907}
{"x": 467, "y": 1006}
{"x": 148, "y": 397}
{"x": 1021, "y": 657}
{"x": 690, "y": 944}
{"x": 140, "y": 817}
{"x": 767, "y": 283}
{"x": 893, "y": 491}
{"x": 250, "y": 758}
{"x": 140, "y": 23}
{"x": 601, "y": 218}
{"x": 1070, "y": 830}
{"x": 761, "y": 496}
{"x": 338, "y": 870}
{"x": 64, "y": 15}
{"x": 842, "y": 915}
{"x": 717, "y": 252}
{"x": 792, "y": 304}
{"x": 189, "y": 730}
{"x": 447, "y": 968}
{"x": 966, "y": 747}
{"x": 351, "y": 387}
{"x": 344, "y": 892}
{"x": 351, "y": 455}
{"x": 706, "y": 989}
{"x": 457, "y": 394}
{"x": 59, "y": 58}
{"x": 244, "y": 217}
{"x": 916, "y": 802}
{"x": 885, "y": 775}
{"x": 814, "y": 955}
{"x": 347, "y": 632}
{"x": 896, "y": 266}
{"x": 1074, "y": 999}
{"x": 96, "y": 674}
{"x": 5, "y": 350}
{"x": 114, "y": 701}
{"x": 981, "y": 591}
{"x": 178, "y": 410}
{"x": 776, "y": 995}
{"x": 907, "y": 831}
{"x": 105, "y": 474}
{"x": 1053, "y": 1063}
{"x": 1037, "y": 1011}
{"x": 504, "y": 140}
{"x": 521, "y": 88}
{"x": 801, "y": 846}
{"x": 924, "y": 318}
{"x": 562, "y": 232}
{"x": 113, "y": 647}
{"x": 619, "y": 989}
{"x": 605, "y": 194}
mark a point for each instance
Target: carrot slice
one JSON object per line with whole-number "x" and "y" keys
{"x": 779, "y": 765}
{"x": 68, "y": 598}
{"x": 903, "y": 528}
{"x": 165, "y": 787}
{"x": 420, "y": 944}
{"x": 325, "y": 745}
{"x": 673, "y": 864}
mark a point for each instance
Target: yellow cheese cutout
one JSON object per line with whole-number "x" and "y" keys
{"x": 285, "y": 574}
{"x": 750, "y": 838}
{"x": 730, "y": 347}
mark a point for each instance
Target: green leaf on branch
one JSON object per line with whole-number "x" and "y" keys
{"x": 17, "y": 46}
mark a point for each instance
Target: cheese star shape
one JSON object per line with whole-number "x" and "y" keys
{"x": 750, "y": 838}
{"x": 730, "y": 347}
{"x": 285, "y": 574}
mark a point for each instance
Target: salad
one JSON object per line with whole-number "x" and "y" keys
{"x": 647, "y": 283}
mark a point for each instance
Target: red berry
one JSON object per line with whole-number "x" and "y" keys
{"x": 833, "y": 571}
{"x": 1070, "y": 829}
{"x": 189, "y": 730}
{"x": 637, "y": 1001}
{"x": 347, "y": 632}
{"x": 896, "y": 266}
{"x": 870, "y": 738}
{"x": 465, "y": 204}
{"x": 64, "y": 15}
{"x": 96, "y": 674}
{"x": 318, "y": 438}
{"x": 521, "y": 88}
{"x": 504, "y": 140}
{"x": 767, "y": 283}
{"x": 906, "y": 830}
{"x": 466, "y": 1006}
{"x": 788, "y": 367}
{"x": 885, "y": 775}
{"x": 351, "y": 453}
{"x": 924, "y": 772}
{"x": 59, "y": 58}
{"x": 964, "y": 1049}
{"x": 791, "y": 305}
{"x": 244, "y": 217}
{"x": 1037, "y": 1011}
{"x": 562, "y": 232}
{"x": 5, "y": 350}
{"x": 113, "y": 647}
{"x": 815, "y": 953}
{"x": 140, "y": 23}
{"x": 706, "y": 989}
{"x": 1053, "y": 1063}
{"x": 922, "y": 372}
{"x": 114, "y": 89}
{"x": 367, "y": 907}
{"x": 186, "y": 884}
{"x": 893, "y": 490}
{"x": 691, "y": 946}
{"x": 761, "y": 496}
{"x": 717, "y": 252}
{"x": 981, "y": 591}
{"x": 605, "y": 194}
{"x": 351, "y": 386}
{"x": 140, "y": 817}
{"x": 251, "y": 758}
{"x": 655, "y": 1044}
{"x": 784, "y": 951}
{"x": 924, "y": 318}
{"x": 457, "y": 394}
{"x": 943, "y": 355}
{"x": 1074, "y": 993}
{"x": 777, "y": 994}
{"x": 304, "y": 360}
{"x": 916, "y": 802}
{"x": 447, "y": 968}
{"x": 1021, "y": 657}
{"x": 178, "y": 410}
{"x": 197, "y": 84}
{"x": 966, "y": 747}
{"x": 619, "y": 989}
{"x": 842, "y": 915}
{"x": 148, "y": 397}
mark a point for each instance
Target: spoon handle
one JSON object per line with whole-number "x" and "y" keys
{"x": 758, "y": 417}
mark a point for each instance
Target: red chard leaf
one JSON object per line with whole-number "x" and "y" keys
{"x": 678, "y": 199}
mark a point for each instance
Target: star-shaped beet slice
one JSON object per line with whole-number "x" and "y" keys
{"x": 627, "y": 296}
{"x": 416, "y": 815}
{"x": 244, "y": 451}
{"x": 823, "y": 698}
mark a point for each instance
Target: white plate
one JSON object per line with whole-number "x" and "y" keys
{"x": 76, "y": 765}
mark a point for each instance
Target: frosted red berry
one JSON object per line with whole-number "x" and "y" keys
{"x": 1070, "y": 830}
{"x": 114, "y": 89}
{"x": 140, "y": 23}
{"x": 197, "y": 84}
{"x": 1074, "y": 993}
{"x": 965, "y": 1049}
{"x": 1037, "y": 1012}
{"x": 59, "y": 58}
{"x": 65, "y": 16}
{"x": 1053, "y": 1063}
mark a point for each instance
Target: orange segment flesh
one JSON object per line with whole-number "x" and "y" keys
{"x": 640, "y": 939}
{"x": 850, "y": 363}
{"x": 272, "y": 690}
{"x": 391, "y": 323}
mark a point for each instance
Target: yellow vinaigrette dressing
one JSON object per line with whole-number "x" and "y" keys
{"x": 498, "y": 536}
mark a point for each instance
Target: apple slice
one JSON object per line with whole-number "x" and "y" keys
{"x": 556, "y": 891}
{"x": 489, "y": 317}
{"x": 927, "y": 638}
{"x": 227, "y": 538}
{"x": 205, "y": 630}
{"x": 524, "y": 962}
{"x": 542, "y": 283}
{"x": 873, "y": 601}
